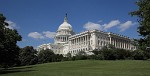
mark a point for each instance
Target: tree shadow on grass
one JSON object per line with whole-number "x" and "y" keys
{"x": 16, "y": 69}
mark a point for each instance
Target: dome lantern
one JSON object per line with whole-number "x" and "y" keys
{"x": 66, "y": 19}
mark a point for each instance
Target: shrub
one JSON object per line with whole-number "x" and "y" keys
{"x": 138, "y": 55}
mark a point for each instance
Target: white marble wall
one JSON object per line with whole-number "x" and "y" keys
{"x": 90, "y": 40}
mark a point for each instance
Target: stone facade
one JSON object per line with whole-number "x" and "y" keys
{"x": 66, "y": 41}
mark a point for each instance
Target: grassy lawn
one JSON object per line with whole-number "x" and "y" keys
{"x": 83, "y": 68}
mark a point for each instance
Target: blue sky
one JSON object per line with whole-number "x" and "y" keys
{"x": 38, "y": 20}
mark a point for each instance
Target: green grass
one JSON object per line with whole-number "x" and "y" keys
{"x": 83, "y": 68}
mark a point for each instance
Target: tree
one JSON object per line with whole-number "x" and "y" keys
{"x": 98, "y": 54}
{"x": 9, "y": 51}
{"x": 46, "y": 56}
{"x": 138, "y": 55}
{"x": 143, "y": 14}
{"x": 28, "y": 56}
{"x": 123, "y": 54}
{"x": 58, "y": 58}
{"x": 109, "y": 54}
{"x": 68, "y": 56}
{"x": 81, "y": 55}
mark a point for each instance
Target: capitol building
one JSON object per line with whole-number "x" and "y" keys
{"x": 66, "y": 41}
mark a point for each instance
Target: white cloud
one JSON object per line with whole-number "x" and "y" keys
{"x": 45, "y": 34}
{"x": 126, "y": 25}
{"x": 11, "y": 25}
{"x": 49, "y": 34}
{"x": 91, "y": 26}
{"x": 111, "y": 24}
{"x": 36, "y": 35}
{"x": 114, "y": 23}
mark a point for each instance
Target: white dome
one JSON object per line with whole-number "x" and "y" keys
{"x": 63, "y": 32}
{"x": 65, "y": 26}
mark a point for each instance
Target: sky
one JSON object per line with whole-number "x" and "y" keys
{"x": 38, "y": 20}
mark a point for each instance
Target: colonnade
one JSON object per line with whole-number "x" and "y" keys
{"x": 79, "y": 43}
{"x": 62, "y": 38}
{"x": 121, "y": 43}
{"x": 78, "y": 40}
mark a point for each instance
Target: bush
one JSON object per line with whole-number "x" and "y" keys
{"x": 100, "y": 57}
{"x": 58, "y": 58}
{"x": 109, "y": 54}
{"x": 81, "y": 56}
{"x": 122, "y": 54}
{"x": 138, "y": 55}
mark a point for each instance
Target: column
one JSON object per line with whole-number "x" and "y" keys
{"x": 127, "y": 45}
{"x": 64, "y": 38}
{"x": 130, "y": 45}
{"x": 116, "y": 43}
{"x": 76, "y": 40}
{"x": 82, "y": 42}
{"x": 110, "y": 40}
{"x": 85, "y": 39}
{"x": 79, "y": 40}
{"x": 124, "y": 45}
{"x": 120, "y": 42}
{"x": 113, "y": 41}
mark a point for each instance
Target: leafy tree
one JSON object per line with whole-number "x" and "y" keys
{"x": 57, "y": 58}
{"x": 46, "y": 56}
{"x": 100, "y": 57}
{"x": 81, "y": 55}
{"x": 109, "y": 54}
{"x": 9, "y": 51}
{"x": 96, "y": 52}
{"x": 138, "y": 55}
{"x": 143, "y": 14}
{"x": 123, "y": 54}
{"x": 28, "y": 56}
{"x": 68, "y": 56}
